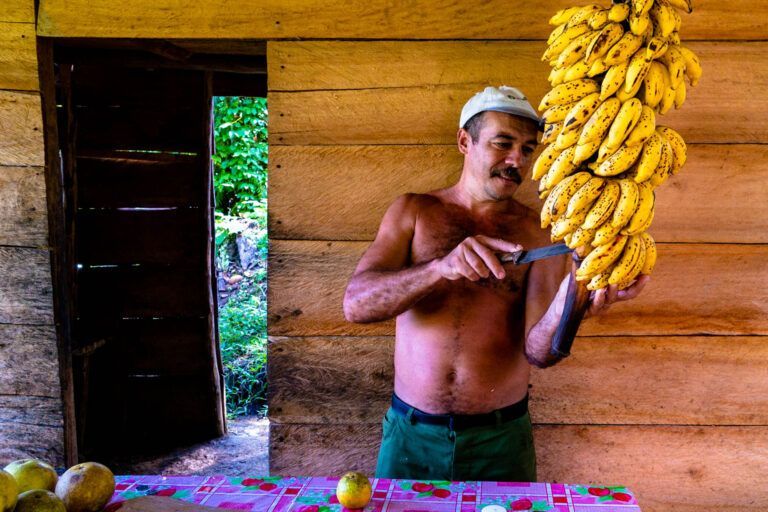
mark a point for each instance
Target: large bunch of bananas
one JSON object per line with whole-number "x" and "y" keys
{"x": 613, "y": 70}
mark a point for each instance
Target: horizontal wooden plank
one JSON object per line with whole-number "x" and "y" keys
{"x": 709, "y": 468}
{"x": 426, "y": 111}
{"x": 29, "y": 361}
{"x": 18, "y": 57}
{"x": 32, "y": 426}
{"x": 606, "y": 381}
{"x": 106, "y": 295}
{"x": 123, "y": 180}
{"x": 130, "y": 236}
{"x": 695, "y": 289}
{"x": 21, "y": 122}
{"x": 422, "y": 19}
{"x": 26, "y": 294}
{"x": 23, "y": 211}
{"x": 353, "y": 185}
{"x": 19, "y": 11}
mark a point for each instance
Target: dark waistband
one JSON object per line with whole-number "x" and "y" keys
{"x": 459, "y": 421}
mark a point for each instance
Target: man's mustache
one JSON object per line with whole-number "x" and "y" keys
{"x": 510, "y": 172}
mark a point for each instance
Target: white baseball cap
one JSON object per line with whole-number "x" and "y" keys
{"x": 502, "y": 99}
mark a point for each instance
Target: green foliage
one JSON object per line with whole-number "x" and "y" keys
{"x": 240, "y": 159}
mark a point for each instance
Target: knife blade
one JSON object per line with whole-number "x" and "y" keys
{"x": 522, "y": 257}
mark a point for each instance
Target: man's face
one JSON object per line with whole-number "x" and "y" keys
{"x": 501, "y": 155}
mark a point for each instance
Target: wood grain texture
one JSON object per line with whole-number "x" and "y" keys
{"x": 18, "y": 57}
{"x": 21, "y": 124}
{"x": 25, "y": 286}
{"x": 688, "y": 469}
{"x": 23, "y": 211}
{"x": 18, "y": 11}
{"x": 29, "y": 361}
{"x": 351, "y": 187}
{"x": 695, "y": 289}
{"x": 375, "y": 107}
{"x": 422, "y": 19}
{"x": 32, "y": 426}
{"x": 685, "y": 380}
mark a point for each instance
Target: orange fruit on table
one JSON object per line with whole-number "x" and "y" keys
{"x": 86, "y": 487}
{"x": 354, "y": 490}
{"x": 9, "y": 491}
{"x": 33, "y": 474}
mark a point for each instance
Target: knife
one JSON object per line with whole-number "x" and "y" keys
{"x": 522, "y": 257}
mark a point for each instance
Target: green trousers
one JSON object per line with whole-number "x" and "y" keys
{"x": 419, "y": 451}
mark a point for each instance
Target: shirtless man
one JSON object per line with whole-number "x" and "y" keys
{"x": 467, "y": 325}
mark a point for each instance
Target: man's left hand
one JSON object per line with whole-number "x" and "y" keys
{"x": 602, "y": 299}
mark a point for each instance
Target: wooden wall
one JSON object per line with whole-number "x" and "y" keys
{"x": 665, "y": 395}
{"x": 31, "y": 420}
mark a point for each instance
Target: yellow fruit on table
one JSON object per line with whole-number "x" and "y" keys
{"x": 9, "y": 491}
{"x": 86, "y": 487}
{"x": 39, "y": 500}
{"x": 353, "y": 490}
{"x": 32, "y": 474}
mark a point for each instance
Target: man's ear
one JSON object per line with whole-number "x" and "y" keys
{"x": 464, "y": 140}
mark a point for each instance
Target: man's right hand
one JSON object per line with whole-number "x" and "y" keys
{"x": 475, "y": 258}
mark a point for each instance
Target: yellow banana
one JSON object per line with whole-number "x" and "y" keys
{"x": 621, "y": 160}
{"x": 675, "y": 63}
{"x": 692, "y": 65}
{"x": 627, "y": 203}
{"x": 606, "y": 38}
{"x": 565, "y": 225}
{"x": 650, "y": 253}
{"x": 584, "y": 197}
{"x": 631, "y": 261}
{"x": 625, "y": 120}
{"x": 557, "y": 76}
{"x": 598, "y": 19}
{"x": 566, "y": 140}
{"x": 584, "y": 151}
{"x": 653, "y": 84}
{"x": 576, "y": 50}
{"x": 564, "y": 191}
{"x": 644, "y": 212}
{"x": 551, "y": 131}
{"x": 623, "y": 49}
{"x": 556, "y": 32}
{"x": 557, "y": 113}
{"x": 661, "y": 172}
{"x": 618, "y": 12}
{"x": 600, "y": 121}
{"x": 683, "y": 5}
{"x": 580, "y": 113}
{"x": 674, "y": 38}
{"x": 663, "y": 17}
{"x": 600, "y": 258}
{"x": 603, "y": 207}
{"x": 605, "y": 234}
{"x": 546, "y": 208}
{"x": 563, "y": 15}
{"x": 680, "y": 93}
{"x": 644, "y": 128}
{"x": 600, "y": 280}
{"x": 641, "y": 6}
{"x": 563, "y": 40}
{"x": 560, "y": 168}
{"x": 678, "y": 146}
{"x": 583, "y": 14}
{"x": 544, "y": 162}
{"x": 637, "y": 69}
{"x": 568, "y": 92}
{"x": 656, "y": 47}
{"x": 598, "y": 68}
{"x": 575, "y": 71}
{"x": 581, "y": 237}
{"x": 649, "y": 158}
{"x": 639, "y": 23}
{"x": 668, "y": 93}
{"x": 625, "y": 95}
{"x": 613, "y": 80}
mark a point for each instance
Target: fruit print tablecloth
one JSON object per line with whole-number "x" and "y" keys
{"x": 313, "y": 494}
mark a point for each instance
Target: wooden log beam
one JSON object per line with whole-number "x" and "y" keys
{"x": 32, "y": 427}
{"x": 25, "y": 286}
{"x": 695, "y": 289}
{"x": 21, "y": 125}
{"x": 18, "y": 57}
{"x": 29, "y": 361}
{"x": 353, "y": 185}
{"x": 316, "y": 19}
{"x": 18, "y": 11}
{"x": 711, "y": 467}
{"x": 23, "y": 212}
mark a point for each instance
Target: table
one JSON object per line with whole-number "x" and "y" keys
{"x": 314, "y": 494}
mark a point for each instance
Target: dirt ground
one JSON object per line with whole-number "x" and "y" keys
{"x": 244, "y": 451}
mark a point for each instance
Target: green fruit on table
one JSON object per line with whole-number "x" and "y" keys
{"x": 32, "y": 474}
{"x": 9, "y": 491}
{"x": 39, "y": 500}
{"x": 86, "y": 487}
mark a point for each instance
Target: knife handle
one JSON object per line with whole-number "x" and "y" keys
{"x": 576, "y": 303}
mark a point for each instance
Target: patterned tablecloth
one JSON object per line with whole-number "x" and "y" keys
{"x": 313, "y": 494}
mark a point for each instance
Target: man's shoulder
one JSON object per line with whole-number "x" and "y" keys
{"x": 413, "y": 202}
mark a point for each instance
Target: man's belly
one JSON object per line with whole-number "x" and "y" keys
{"x": 466, "y": 358}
